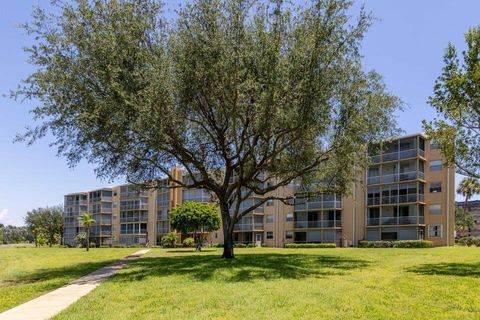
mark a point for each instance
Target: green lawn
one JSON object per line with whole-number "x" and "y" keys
{"x": 261, "y": 283}
{"x": 26, "y": 273}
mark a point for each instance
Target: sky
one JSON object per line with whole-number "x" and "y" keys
{"x": 405, "y": 45}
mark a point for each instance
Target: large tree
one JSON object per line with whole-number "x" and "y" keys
{"x": 245, "y": 96}
{"x": 457, "y": 101}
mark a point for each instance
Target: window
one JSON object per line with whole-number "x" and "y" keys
{"x": 435, "y": 209}
{"x": 289, "y": 235}
{"x": 269, "y": 202}
{"x": 269, "y": 234}
{"x": 435, "y": 165}
{"x": 216, "y": 235}
{"x": 290, "y": 216}
{"x": 435, "y": 187}
{"x": 435, "y": 231}
{"x": 269, "y": 218}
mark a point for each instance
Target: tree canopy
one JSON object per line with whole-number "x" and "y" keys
{"x": 193, "y": 217}
{"x": 245, "y": 96}
{"x": 45, "y": 224}
{"x": 457, "y": 101}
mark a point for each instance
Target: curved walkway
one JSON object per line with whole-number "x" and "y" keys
{"x": 48, "y": 305}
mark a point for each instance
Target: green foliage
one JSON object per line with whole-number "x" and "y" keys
{"x": 170, "y": 240}
{"x": 192, "y": 217}
{"x": 469, "y": 241}
{"x": 12, "y": 234}
{"x": 240, "y": 245}
{"x": 230, "y": 88}
{"x": 395, "y": 244}
{"x": 310, "y": 245}
{"x": 456, "y": 99}
{"x": 189, "y": 242}
{"x": 81, "y": 238}
{"x": 45, "y": 224}
{"x": 412, "y": 244}
{"x": 463, "y": 220}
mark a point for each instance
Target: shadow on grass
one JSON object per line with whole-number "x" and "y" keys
{"x": 448, "y": 269}
{"x": 243, "y": 268}
{"x": 69, "y": 273}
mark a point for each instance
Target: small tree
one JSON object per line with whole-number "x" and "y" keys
{"x": 193, "y": 217}
{"x": 46, "y": 222}
{"x": 463, "y": 220}
{"x": 82, "y": 239}
{"x": 86, "y": 221}
{"x": 170, "y": 239}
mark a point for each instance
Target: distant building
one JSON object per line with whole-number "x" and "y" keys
{"x": 474, "y": 209}
{"x": 406, "y": 194}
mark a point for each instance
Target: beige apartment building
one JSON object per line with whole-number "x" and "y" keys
{"x": 406, "y": 194}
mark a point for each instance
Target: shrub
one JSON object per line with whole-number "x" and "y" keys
{"x": 170, "y": 240}
{"x": 189, "y": 242}
{"x": 251, "y": 245}
{"x": 240, "y": 245}
{"x": 469, "y": 241}
{"x": 412, "y": 244}
{"x": 309, "y": 245}
{"x": 476, "y": 241}
{"x": 395, "y": 244}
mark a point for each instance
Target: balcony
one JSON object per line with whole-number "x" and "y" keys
{"x": 398, "y": 155}
{"x": 388, "y": 221}
{"x": 391, "y": 178}
{"x": 334, "y": 204}
{"x": 304, "y": 224}
{"x": 248, "y": 226}
{"x": 406, "y": 198}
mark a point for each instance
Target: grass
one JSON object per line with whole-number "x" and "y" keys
{"x": 26, "y": 273}
{"x": 262, "y": 283}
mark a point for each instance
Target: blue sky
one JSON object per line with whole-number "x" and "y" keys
{"x": 405, "y": 45}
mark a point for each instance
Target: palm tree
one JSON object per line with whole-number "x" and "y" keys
{"x": 468, "y": 187}
{"x": 86, "y": 221}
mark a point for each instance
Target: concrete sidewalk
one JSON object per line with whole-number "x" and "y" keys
{"x": 48, "y": 305}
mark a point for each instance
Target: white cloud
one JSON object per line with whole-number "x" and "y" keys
{"x": 3, "y": 215}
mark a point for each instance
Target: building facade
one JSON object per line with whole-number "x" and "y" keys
{"x": 406, "y": 194}
{"x": 474, "y": 208}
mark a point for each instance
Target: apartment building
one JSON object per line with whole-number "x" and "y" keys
{"x": 406, "y": 193}
{"x": 474, "y": 208}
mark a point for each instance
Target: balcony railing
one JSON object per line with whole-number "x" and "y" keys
{"x": 407, "y": 198}
{"x": 398, "y": 155}
{"x": 403, "y": 220}
{"x": 248, "y": 226}
{"x": 389, "y": 178}
{"x": 304, "y": 224}
{"x": 334, "y": 204}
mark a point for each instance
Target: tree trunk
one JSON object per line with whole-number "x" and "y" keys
{"x": 227, "y": 231}
{"x": 227, "y": 244}
{"x": 87, "y": 236}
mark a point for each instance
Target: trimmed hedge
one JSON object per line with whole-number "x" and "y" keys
{"x": 395, "y": 244}
{"x": 310, "y": 245}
